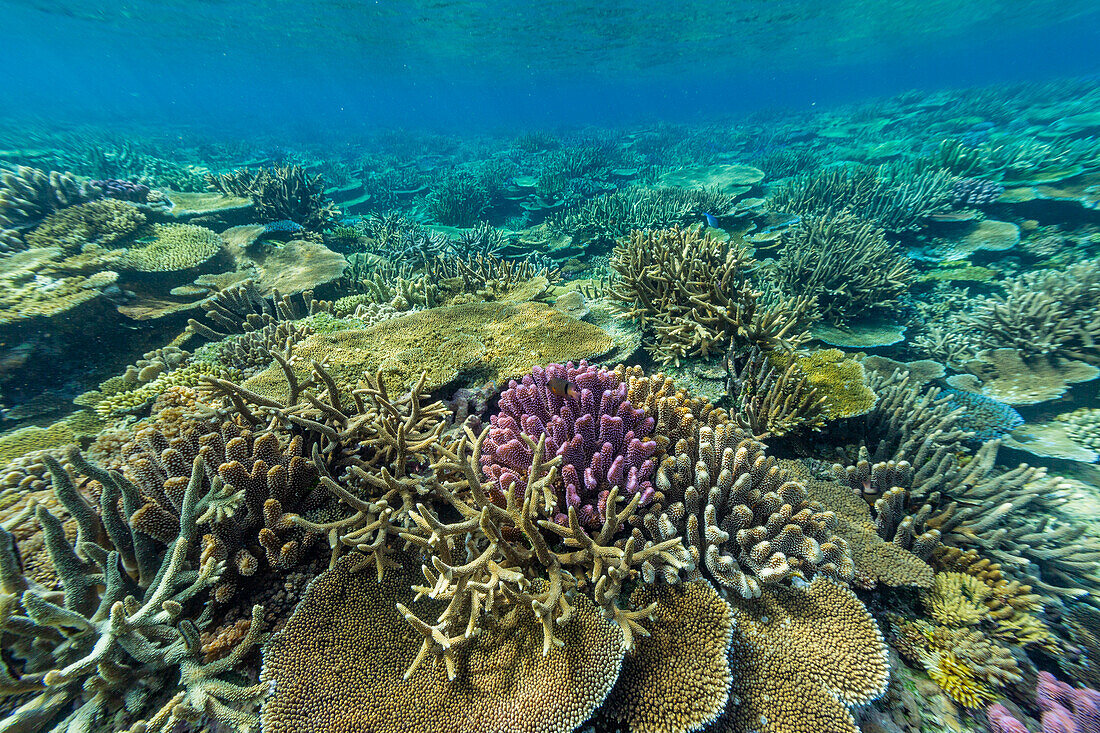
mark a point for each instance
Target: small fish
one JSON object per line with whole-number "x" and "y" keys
{"x": 712, "y": 220}
{"x": 562, "y": 387}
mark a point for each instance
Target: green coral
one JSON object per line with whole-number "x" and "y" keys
{"x": 101, "y": 222}
{"x": 840, "y": 381}
{"x": 174, "y": 247}
{"x": 134, "y": 400}
{"x": 24, "y": 440}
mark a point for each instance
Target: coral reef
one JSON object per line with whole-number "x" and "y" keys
{"x": 279, "y": 193}
{"x": 602, "y": 439}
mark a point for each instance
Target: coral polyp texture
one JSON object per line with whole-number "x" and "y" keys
{"x": 583, "y": 412}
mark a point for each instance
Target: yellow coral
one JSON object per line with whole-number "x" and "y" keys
{"x": 959, "y": 681}
{"x": 800, "y": 657}
{"x": 957, "y": 599}
{"x": 678, "y": 677}
{"x": 173, "y": 247}
{"x": 339, "y": 664}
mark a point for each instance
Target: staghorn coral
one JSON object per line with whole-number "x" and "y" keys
{"x": 347, "y": 640}
{"x": 104, "y": 649}
{"x": 772, "y": 398}
{"x": 800, "y": 659}
{"x": 250, "y": 353}
{"x": 678, "y": 677}
{"x": 692, "y": 292}
{"x": 896, "y": 198}
{"x": 844, "y": 263}
{"x": 487, "y": 560}
{"x": 745, "y": 523}
{"x": 600, "y": 221}
{"x": 1049, "y": 312}
{"x": 603, "y": 440}
{"x": 280, "y": 193}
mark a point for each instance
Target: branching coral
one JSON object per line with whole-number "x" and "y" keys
{"x": 692, "y": 292}
{"x": 28, "y": 195}
{"x": 845, "y": 263}
{"x": 746, "y": 524}
{"x": 599, "y": 222}
{"x": 897, "y": 198}
{"x": 771, "y": 401}
{"x": 280, "y": 192}
{"x": 1045, "y": 312}
{"x": 103, "y": 646}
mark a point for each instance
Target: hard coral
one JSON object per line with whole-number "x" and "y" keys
{"x": 800, "y": 659}
{"x": 691, "y": 290}
{"x": 280, "y": 193}
{"x": 845, "y": 263}
{"x": 603, "y": 440}
{"x": 746, "y": 524}
{"x": 347, "y": 640}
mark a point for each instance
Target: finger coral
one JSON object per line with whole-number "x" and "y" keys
{"x": 746, "y": 524}
{"x": 603, "y": 440}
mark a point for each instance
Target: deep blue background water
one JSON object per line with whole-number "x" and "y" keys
{"x": 488, "y": 65}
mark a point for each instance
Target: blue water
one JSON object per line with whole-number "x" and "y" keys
{"x": 496, "y": 65}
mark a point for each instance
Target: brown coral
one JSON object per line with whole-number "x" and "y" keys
{"x": 677, "y": 679}
{"x": 340, "y": 662}
{"x": 692, "y": 292}
{"x": 800, "y": 658}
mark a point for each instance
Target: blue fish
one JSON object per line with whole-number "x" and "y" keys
{"x": 712, "y": 220}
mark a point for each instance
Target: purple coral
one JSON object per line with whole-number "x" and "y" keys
{"x": 1065, "y": 709}
{"x": 588, "y": 421}
{"x": 975, "y": 192}
{"x": 114, "y": 188}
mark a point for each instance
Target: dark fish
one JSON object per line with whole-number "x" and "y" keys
{"x": 712, "y": 220}
{"x": 562, "y": 387}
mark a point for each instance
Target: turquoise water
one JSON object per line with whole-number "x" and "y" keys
{"x": 406, "y": 367}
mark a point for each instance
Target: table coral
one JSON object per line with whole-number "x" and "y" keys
{"x": 173, "y": 247}
{"x": 494, "y": 341}
{"x": 678, "y": 677}
{"x": 105, "y": 222}
{"x": 800, "y": 659}
{"x": 348, "y": 641}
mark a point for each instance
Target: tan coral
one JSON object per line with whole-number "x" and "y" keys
{"x": 957, "y": 599}
{"x": 339, "y": 665}
{"x": 800, "y": 659}
{"x": 677, "y": 679}
{"x": 746, "y": 524}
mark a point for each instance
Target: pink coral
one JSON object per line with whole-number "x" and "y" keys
{"x": 1065, "y": 709}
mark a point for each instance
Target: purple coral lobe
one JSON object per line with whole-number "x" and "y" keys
{"x": 602, "y": 439}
